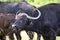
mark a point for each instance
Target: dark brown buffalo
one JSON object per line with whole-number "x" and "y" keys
{"x": 5, "y": 22}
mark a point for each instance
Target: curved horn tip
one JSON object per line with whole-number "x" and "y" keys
{"x": 34, "y": 18}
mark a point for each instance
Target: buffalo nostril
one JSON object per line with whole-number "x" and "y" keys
{"x": 13, "y": 25}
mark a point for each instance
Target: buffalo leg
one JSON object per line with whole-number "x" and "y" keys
{"x": 38, "y": 36}
{"x": 18, "y": 35}
{"x": 30, "y": 34}
{"x": 11, "y": 37}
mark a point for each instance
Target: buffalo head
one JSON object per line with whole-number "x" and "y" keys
{"x": 22, "y": 19}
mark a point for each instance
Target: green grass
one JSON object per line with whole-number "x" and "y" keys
{"x": 25, "y": 36}
{"x": 35, "y": 2}
{"x": 57, "y": 38}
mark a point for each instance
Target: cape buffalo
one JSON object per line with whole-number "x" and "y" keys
{"x": 12, "y": 8}
{"x": 44, "y": 20}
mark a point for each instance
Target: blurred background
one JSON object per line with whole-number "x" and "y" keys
{"x": 36, "y": 3}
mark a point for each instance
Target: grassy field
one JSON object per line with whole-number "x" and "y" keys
{"x": 25, "y": 36}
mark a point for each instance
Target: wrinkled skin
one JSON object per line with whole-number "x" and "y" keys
{"x": 47, "y": 24}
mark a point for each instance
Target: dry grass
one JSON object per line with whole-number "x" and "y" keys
{"x": 25, "y": 36}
